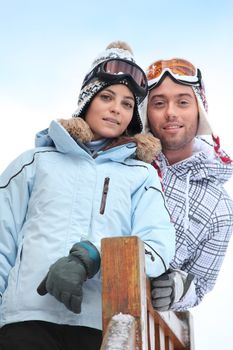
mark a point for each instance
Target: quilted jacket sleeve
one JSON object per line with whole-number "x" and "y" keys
{"x": 15, "y": 187}
{"x": 151, "y": 222}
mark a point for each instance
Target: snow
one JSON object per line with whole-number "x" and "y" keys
{"x": 119, "y": 331}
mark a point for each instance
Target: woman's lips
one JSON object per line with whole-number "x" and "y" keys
{"x": 112, "y": 120}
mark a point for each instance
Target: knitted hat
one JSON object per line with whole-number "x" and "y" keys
{"x": 182, "y": 71}
{"x": 120, "y": 50}
{"x": 204, "y": 127}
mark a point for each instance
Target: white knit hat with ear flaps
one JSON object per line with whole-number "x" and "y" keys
{"x": 120, "y": 50}
{"x": 204, "y": 127}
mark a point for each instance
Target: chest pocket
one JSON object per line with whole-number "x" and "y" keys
{"x": 104, "y": 195}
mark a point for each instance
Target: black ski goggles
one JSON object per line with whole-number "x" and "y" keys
{"x": 180, "y": 70}
{"x": 118, "y": 69}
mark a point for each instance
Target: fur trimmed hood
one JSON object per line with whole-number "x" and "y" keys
{"x": 148, "y": 147}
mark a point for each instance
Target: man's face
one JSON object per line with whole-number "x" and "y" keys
{"x": 173, "y": 116}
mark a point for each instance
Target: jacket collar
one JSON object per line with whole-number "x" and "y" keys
{"x": 203, "y": 164}
{"x": 70, "y": 136}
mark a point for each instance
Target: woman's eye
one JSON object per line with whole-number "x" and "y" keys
{"x": 128, "y": 104}
{"x": 105, "y": 97}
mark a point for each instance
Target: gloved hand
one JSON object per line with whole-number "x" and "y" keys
{"x": 66, "y": 276}
{"x": 169, "y": 288}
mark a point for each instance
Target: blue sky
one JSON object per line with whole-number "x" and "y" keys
{"x": 48, "y": 46}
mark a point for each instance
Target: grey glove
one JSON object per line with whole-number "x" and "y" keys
{"x": 66, "y": 276}
{"x": 169, "y": 288}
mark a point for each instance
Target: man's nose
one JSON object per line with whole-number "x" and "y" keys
{"x": 171, "y": 112}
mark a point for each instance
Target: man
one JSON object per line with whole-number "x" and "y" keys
{"x": 193, "y": 173}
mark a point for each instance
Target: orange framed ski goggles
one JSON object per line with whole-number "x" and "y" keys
{"x": 180, "y": 70}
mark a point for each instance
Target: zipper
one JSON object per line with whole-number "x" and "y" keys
{"x": 104, "y": 195}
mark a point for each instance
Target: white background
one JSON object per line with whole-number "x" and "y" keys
{"x": 46, "y": 47}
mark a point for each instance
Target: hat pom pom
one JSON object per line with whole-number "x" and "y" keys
{"x": 120, "y": 45}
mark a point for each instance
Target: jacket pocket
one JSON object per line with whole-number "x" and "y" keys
{"x": 104, "y": 195}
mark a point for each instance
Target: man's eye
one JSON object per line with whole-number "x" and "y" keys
{"x": 184, "y": 103}
{"x": 158, "y": 104}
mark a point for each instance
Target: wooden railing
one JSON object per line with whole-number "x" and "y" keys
{"x": 129, "y": 320}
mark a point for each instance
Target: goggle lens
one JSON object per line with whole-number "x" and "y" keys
{"x": 118, "y": 67}
{"x": 181, "y": 70}
{"x": 176, "y": 66}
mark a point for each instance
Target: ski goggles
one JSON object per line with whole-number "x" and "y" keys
{"x": 118, "y": 69}
{"x": 180, "y": 70}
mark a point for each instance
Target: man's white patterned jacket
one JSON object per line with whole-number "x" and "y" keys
{"x": 202, "y": 213}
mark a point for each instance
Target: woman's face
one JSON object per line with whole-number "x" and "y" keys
{"x": 110, "y": 111}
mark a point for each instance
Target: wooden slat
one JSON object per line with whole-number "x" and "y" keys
{"x": 124, "y": 283}
{"x": 186, "y": 318}
{"x": 151, "y": 331}
{"x": 126, "y": 290}
{"x": 175, "y": 328}
{"x": 168, "y": 344}
{"x": 159, "y": 338}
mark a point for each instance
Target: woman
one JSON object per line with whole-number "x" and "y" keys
{"x": 85, "y": 180}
